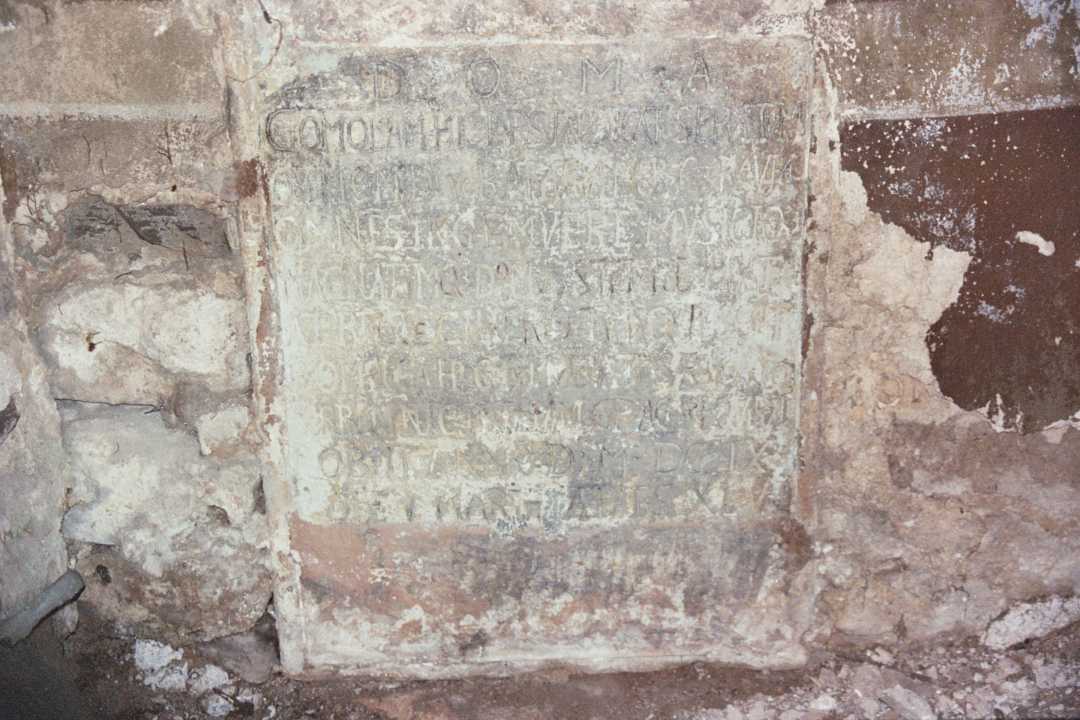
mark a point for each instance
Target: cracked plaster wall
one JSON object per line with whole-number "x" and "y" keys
{"x": 132, "y": 297}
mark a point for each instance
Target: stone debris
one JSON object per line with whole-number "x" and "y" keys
{"x": 1031, "y": 620}
{"x": 206, "y": 679}
{"x": 973, "y": 682}
{"x": 251, "y": 655}
{"x": 160, "y": 666}
{"x": 216, "y": 705}
{"x": 908, "y": 704}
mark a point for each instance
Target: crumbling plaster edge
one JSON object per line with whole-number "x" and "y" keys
{"x": 233, "y": 64}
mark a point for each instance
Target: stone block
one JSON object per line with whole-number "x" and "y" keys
{"x": 32, "y": 482}
{"x": 540, "y": 326}
{"x": 127, "y": 343}
{"x": 106, "y": 58}
{"x": 176, "y": 542}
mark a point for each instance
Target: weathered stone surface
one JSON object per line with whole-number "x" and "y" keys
{"x": 402, "y": 136}
{"x": 48, "y": 164}
{"x": 221, "y": 426}
{"x": 131, "y": 302}
{"x": 461, "y": 20}
{"x": 541, "y": 328}
{"x": 927, "y": 520}
{"x": 128, "y": 343}
{"x": 104, "y": 56}
{"x": 186, "y": 545}
{"x": 32, "y": 482}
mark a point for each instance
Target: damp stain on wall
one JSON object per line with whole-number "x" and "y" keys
{"x": 1005, "y": 188}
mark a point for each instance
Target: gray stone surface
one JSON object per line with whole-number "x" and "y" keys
{"x": 541, "y": 319}
{"x": 32, "y": 482}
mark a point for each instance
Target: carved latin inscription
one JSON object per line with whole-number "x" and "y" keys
{"x": 542, "y": 292}
{"x": 602, "y": 263}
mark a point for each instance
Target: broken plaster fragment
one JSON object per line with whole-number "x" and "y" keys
{"x": 1045, "y": 247}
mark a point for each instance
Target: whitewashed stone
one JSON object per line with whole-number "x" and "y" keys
{"x": 127, "y": 343}
{"x": 175, "y": 520}
{"x": 221, "y": 426}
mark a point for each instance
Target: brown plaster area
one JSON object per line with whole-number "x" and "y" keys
{"x": 988, "y": 185}
{"x": 915, "y": 58}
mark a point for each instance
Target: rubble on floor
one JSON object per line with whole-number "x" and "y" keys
{"x": 1038, "y": 678}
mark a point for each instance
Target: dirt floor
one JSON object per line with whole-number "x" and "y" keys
{"x": 93, "y": 674}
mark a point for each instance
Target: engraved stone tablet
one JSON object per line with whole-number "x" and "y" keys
{"x": 541, "y": 318}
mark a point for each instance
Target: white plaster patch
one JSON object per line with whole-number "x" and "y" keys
{"x": 1049, "y": 13}
{"x": 160, "y": 665}
{"x": 1031, "y": 620}
{"x": 1045, "y": 247}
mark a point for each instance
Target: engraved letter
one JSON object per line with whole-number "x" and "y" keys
{"x": 586, "y": 66}
{"x": 388, "y": 80}
{"x": 700, "y": 74}
{"x": 311, "y": 134}
{"x": 484, "y": 77}
{"x": 274, "y": 135}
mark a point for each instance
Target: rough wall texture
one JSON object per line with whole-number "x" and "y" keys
{"x": 145, "y": 287}
{"x": 126, "y": 284}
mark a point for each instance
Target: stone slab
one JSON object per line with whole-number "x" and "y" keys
{"x": 541, "y": 319}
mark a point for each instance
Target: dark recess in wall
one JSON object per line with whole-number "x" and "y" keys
{"x": 988, "y": 185}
